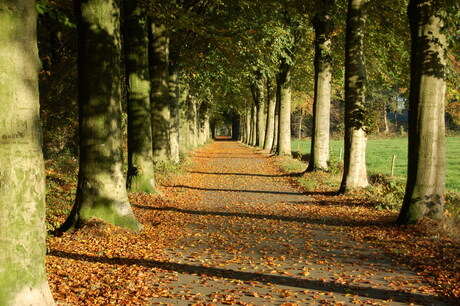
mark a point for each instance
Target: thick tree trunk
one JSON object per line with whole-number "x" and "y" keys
{"x": 319, "y": 153}
{"x": 424, "y": 195}
{"x": 174, "y": 118}
{"x": 101, "y": 190}
{"x": 284, "y": 126}
{"x": 140, "y": 155}
{"x": 160, "y": 101}
{"x": 22, "y": 171}
{"x": 271, "y": 108}
{"x": 355, "y": 174}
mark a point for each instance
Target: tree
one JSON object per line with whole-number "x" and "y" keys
{"x": 319, "y": 153}
{"x": 22, "y": 174}
{"x": 101, "y": 190}
{"x": 284, "y": 125}
{"x": 257, "y": 95}
{"x": 354, "y": 170}
{"x": 160, "y": 100}
{"x": 140, "y": 154}
{"x": 424, "y": 196}
{"x": 271, "y": 108}
{"x": 174, "y": 131}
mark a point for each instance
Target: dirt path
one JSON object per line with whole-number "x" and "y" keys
{"x": 252, "y": 241}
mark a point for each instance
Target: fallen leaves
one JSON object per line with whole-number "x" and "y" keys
{"x": 239, "y": 235}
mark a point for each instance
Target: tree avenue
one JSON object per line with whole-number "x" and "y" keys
{"x": 191, "y": 70}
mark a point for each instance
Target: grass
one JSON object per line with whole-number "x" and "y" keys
{"x": 380, "y": 153}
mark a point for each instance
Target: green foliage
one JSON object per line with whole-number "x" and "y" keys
{"x": 54, "y": 11}
{"x": 385, "y": 192}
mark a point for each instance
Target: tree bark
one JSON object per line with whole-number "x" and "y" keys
{"x": 140, "y": 155}
{"x": 184, "y": 139}
{"x": 271, "y": 108}
{"x": 254, "y": 129}
{"x": 284, "y": 126}
{"x": 22, "y": 171}
{"x": 160, "y": 101}
{"x": 260, "y": 110}
{"x": 355, "y": 174}
{"x": 174, "y": 112}
{"x": 248, "y": 125}
{"x": 319, "y": 153}
{"x": 277, "y": 116}
{"x": 101, "y": 190}
{"x": 424, "y": 195}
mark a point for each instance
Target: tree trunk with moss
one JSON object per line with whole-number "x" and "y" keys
{"x": 284, "y": 125}
{"x": 354, "y": 172}
{"x": 160, "y": 101}
{"x": 140, "y": 155}
{"x": 424, "y": 195}
{"x": 101, "y": 190}
{"x": 22, "y": 171}
{"x": 319, "y": 153}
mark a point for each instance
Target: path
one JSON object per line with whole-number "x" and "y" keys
{"x": 251, "y": 241}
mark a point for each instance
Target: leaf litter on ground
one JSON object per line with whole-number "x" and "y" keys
{"x": 103, "y": 264}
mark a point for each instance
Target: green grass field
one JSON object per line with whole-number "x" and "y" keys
{"x": 380, "y": 153}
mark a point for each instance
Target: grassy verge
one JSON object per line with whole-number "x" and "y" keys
{"x": 380, "y": 154}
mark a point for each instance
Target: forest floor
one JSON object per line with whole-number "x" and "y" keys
{"x": 236, "y": 230}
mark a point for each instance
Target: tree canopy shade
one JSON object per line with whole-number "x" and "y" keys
{"x": 22, "y": 173}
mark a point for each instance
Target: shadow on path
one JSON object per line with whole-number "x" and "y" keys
{"x": 317, "y": 285}
{"x": 320, "y": 221}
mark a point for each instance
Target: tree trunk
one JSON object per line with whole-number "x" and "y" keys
{"x": 319, "y": 153}
{"x": 248, "y": 125}
{"x": 174, "y": 108}
{"x": 22, "y": 171}
{"x": 203, "y": 123}
{"x": 140, "y": 155}
{"x": 192, "y": 118}
{"x": 260, "y": 108}
{"x": 424, "y": 195}
{"x": 277, "y": 116}
{"x": 355, "y": 174}
{"x": 385, "y": 120}
{"x": 101, "y": 190}
{"x": 271, "y": 108}
{"x": 284, "y": 133}
{"x": 160, "y": 101}
{"x": 184, "y": 139}
{"x": 254, "y": 130}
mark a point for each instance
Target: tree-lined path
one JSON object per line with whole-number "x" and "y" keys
{"x": 254, "y": 238}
